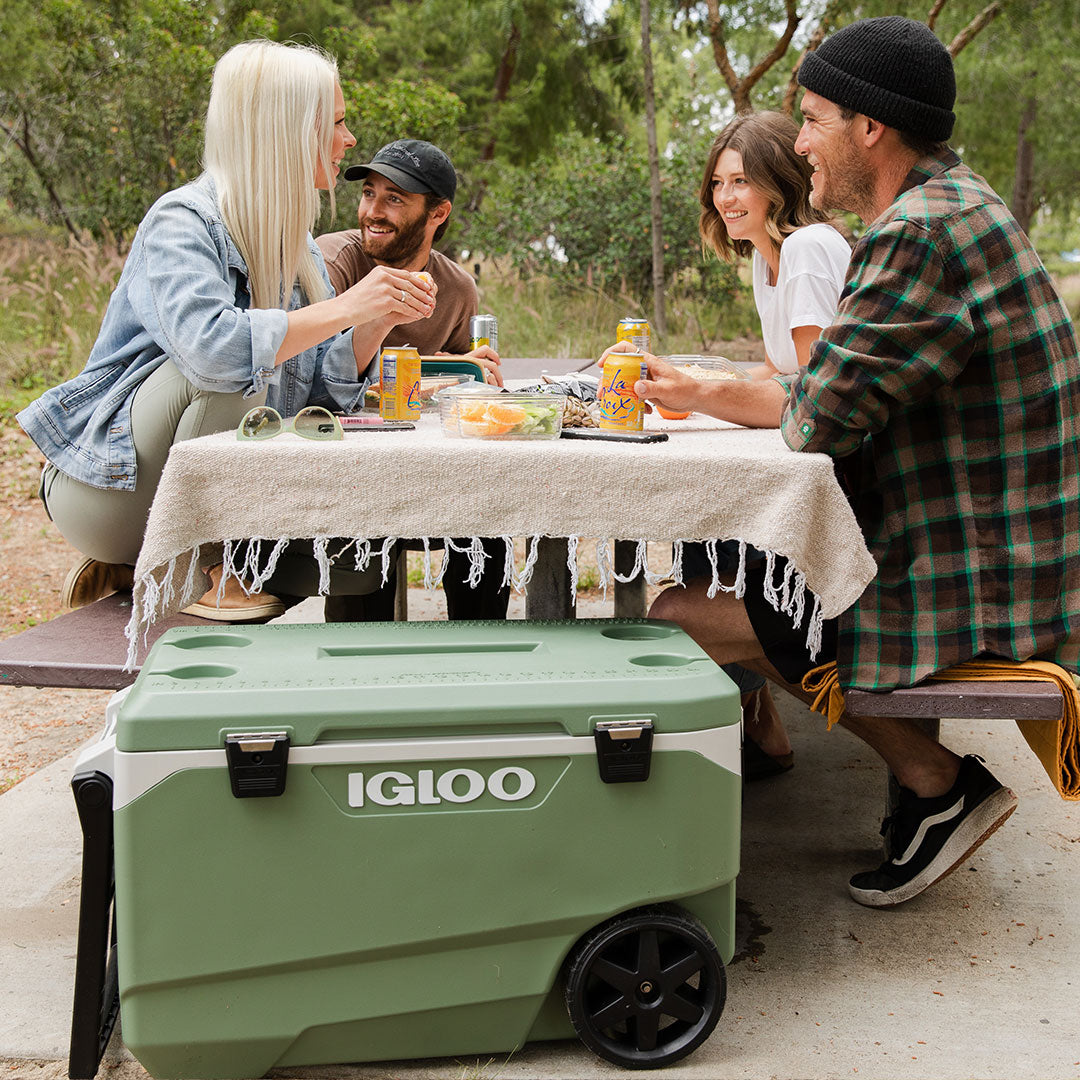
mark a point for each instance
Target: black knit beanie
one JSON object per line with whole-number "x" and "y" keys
{"x": 892, "y": 69}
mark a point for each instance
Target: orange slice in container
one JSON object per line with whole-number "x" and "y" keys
{"x": 506, "y": 417}
{"x": 489, "y": 417}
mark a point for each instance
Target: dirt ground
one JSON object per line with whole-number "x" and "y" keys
{"x": 36, "y": 726}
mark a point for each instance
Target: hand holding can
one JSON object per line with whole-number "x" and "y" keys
{"x": 620, "y": 408}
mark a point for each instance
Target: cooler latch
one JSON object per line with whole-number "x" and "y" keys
{"x": 623, "y": 750}
{"x": 257, "y": 763}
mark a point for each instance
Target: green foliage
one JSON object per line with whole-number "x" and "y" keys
{"x": 105, "y": 105}
{"x": 1029, "y": 54}
{"x": 538, "y": 102}
{"x": 585, "y": 219}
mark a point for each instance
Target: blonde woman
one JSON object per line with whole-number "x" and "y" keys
{"x": 755, "y": 203}
{"x": 223, "y": 303}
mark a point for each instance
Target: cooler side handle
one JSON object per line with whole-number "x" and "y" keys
{"x": 96, "y": 1004}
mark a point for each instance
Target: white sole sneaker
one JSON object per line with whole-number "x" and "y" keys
{"x": 929, "y": 838}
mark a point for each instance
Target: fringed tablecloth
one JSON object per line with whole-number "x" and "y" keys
{"x": 242, "y": 502}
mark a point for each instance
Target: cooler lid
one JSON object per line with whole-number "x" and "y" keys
{"x": 357, "y": 681}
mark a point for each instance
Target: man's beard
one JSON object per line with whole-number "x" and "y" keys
{"x": 849, "y": 185}
{"x": 397, "y": 248}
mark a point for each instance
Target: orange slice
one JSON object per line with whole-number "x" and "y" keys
{"x": 506, "y": 414}
{"x": 490, "y": 417}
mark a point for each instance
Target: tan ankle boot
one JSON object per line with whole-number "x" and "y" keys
{"x": 235, "y": 605}
{"x": 90, "y": 580}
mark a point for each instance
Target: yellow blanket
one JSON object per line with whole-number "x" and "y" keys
{"x": 1058, "y": 748}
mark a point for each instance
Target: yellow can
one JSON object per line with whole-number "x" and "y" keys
{"x": 636, "y": 331}
{"x": 620, "y": 408}
{"x": 399, "y": 372}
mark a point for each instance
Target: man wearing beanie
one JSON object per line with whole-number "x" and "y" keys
{"x": 948, "y": 391}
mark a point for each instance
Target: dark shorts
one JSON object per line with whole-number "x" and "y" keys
{"x": 784, "y": 645}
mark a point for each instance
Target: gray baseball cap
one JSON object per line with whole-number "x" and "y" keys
{"x": 412, "y": 164}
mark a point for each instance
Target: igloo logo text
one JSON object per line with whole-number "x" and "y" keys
{"x": 512, "y": 783}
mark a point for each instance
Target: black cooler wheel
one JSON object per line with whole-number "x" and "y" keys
{"x": 645, "y": 988}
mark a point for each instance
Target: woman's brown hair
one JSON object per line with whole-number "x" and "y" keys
{"x": 766, "y": 143}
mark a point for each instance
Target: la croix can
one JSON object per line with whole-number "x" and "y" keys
{"x": 620, "y": 408}
{"x": 636, "y": 331}
{"x": 399, "y": 374}
{"x": 483, "y": 330}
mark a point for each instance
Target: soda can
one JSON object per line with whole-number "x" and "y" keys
{"x": 399, "y": 373}
{"x": 620, "y": 409}
{"x": 636, "y": 331}
{"x": 483, "y": 330}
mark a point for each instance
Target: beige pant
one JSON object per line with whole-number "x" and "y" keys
{"x": 108, "y": 524}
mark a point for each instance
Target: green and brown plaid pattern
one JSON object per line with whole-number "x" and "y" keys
{"x": 949, "y": 389}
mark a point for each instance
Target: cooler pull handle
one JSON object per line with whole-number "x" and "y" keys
{"x": 258, "y": 762}
{"x": 96, "y": 1002}
{"x": 623, "y": 750}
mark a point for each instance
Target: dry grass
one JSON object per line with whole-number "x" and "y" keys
{"x": 537, "y": 318}
{"x": 1069, "y": 286}
{"x": 53, "y": 294}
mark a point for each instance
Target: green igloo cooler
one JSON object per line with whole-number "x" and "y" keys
{"x": 358, "y": 842}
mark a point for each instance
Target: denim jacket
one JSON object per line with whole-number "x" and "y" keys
{"x": 182, "y": 295}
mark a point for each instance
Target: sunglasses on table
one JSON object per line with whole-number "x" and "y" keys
{"x": 311, "y": 422}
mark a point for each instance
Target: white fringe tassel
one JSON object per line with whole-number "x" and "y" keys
{"x": 157, "y": 595}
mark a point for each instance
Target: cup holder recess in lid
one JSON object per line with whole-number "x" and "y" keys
{"x": 200, "y": 671}
{"x": 211, "y": 641}
{"x": 665, "y": 660}
{"x": 641, "y": 632}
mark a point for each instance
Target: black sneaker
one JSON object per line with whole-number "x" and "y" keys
{"x": 928, "y": 838}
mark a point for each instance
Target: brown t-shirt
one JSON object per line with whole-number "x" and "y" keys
{"x": 445, "y": 330}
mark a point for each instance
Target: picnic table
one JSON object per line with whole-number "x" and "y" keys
{"x": 221, "y": 499}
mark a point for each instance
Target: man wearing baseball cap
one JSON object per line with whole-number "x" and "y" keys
{"x": 948, "y": 391}
{"x": 406, "y": 197}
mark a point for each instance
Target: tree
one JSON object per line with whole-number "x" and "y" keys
{"x": 585, "y": 221}
{"x": 104, "y": 106}
{"x": 102, "y": 103}
{"x": 1018, "y": 84}
{"x": 656, "y": 202}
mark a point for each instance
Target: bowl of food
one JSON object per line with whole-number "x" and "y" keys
{"x": 479, "y": 412}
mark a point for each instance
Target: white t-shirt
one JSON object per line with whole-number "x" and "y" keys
{"x": 813, "y": 268}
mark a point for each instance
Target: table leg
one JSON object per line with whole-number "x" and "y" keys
{"x": 547, "y": 596}
{"x": 629, "y": 595}
{"x": 401, "y": 591}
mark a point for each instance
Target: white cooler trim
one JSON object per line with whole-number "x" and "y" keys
{"x": 136, "y": 773}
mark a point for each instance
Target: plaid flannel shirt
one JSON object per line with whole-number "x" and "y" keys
{"x": 948, "y": 388}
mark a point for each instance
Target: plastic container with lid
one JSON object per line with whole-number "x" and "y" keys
{"x": 486, "y": 412}
{"x": 707, "y": 368}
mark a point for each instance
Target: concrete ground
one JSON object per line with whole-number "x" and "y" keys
{"x": 977, "y": 978}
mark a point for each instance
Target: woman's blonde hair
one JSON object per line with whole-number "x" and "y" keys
{"x": 766, "y": 143}
{"x": 269, "y": 122}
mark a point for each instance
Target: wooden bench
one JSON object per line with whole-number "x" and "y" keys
{"x": 925, "y": 705}
{"x": 83, "y": 649}
{"x": 962, "y": 700}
